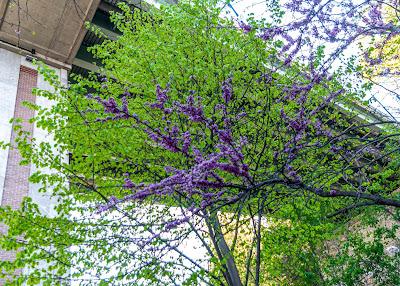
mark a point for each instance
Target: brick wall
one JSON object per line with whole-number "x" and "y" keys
{"x": 16, "y": 184}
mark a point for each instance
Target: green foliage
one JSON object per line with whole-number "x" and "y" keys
{"x": 293, "y": 245}
{"x": 362, "y": 256}
{"x": 189, "y": 47}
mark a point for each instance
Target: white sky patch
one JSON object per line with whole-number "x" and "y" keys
{"x": 383, "y": 95}
{"x": 154, "y": 2}
{"x": 246, "y": 7}
{"x": 190, "y": 246}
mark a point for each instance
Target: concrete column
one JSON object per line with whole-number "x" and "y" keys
{"x": 15, "y": 185}
{"x": 17, "y": 78}
{"x": 14, "y": 89}
{"x": 43, "y": 199}
{"x": 9, "y": 74}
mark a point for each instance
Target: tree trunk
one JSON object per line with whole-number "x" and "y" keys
{"x": 231, "y": 274}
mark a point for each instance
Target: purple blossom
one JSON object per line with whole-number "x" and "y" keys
{"x": 170, "y": 169}
{"x": 375, "y": 15}
{"x": 194, "y": 113}
{"x": 294, "y": 5}
{"x": 126, "y": 94}
{"x": 246, "y": 28}
{"x": 169, "y": 143}
{"x": 201, "y": 176}
{"x": 317, "y": 125}
{"x": 241, "y": 115}
{"x": 235, "y": 170}
{"x": 333, "y": 95}
{"x": 125, "y": 108}
{"x": 335, "y": 149}
{"x": 270, "y": 33}
{"x": 225, "y": 136}
{"x": 333, "y": 33}
{"x": 110, "y": 204}
{"x": 172, "y": 224}
{"x": 327, "y": 133}
{"x": 161, "y": 97}
{"x": 333, "y": 192}
{"x": 372, "y": 61}
{"x": 298, "y": 124}
{"x": 174, "y": 131}
{"x": 153, "y": 136}
{"x": 283, "y": 114}
{"x": 110, "y": 106}
{"x": 187, "y": 141}
{"x": 292, "y": 54}
{"x": 128, "y": 184}
{"x": 292, "y": 173}
{"x": 227, "y": 90}
{"x": 243, "y": 141}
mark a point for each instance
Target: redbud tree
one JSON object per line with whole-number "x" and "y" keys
{"x": 199, "y": 128}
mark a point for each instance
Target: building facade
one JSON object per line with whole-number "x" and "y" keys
{"x": 52, "y": 31}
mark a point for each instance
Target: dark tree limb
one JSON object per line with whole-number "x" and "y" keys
{"x": 350, "y": 207}
{"x": 375, "y": 199}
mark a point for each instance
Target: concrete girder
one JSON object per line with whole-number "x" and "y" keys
{"x": 53, "y": 28}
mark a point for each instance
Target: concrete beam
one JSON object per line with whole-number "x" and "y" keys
{"x": 3, "y": 9}
{"x": 53, "y": 28}
{"x": 141, "y": 4}
{"x": 81, "y": 34}
{"x": 106, "y": 7}
{"x": 50, "y": 61}
{"x": 85, "y": 65}
{"x": 111, "y": 35}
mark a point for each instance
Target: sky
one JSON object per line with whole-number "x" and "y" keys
{"x": 385, "y": 101}
{"x": 244, "y": 7}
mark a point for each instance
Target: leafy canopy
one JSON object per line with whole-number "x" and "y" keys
{"x": 195, "y": 117}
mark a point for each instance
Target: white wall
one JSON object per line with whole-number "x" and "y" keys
{"x": 9, "y": 73}
{"x": 44, "y": 201}
{"x": 10, "y": 63}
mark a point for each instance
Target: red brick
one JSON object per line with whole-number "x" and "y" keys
{"x": 16, "y": 184}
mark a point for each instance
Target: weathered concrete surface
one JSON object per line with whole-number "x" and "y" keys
{"x": 54, "y": 28}
{"x": 9, "y": 73}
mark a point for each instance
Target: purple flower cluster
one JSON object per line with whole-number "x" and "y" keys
{"x": 162, "y": 97}
{"x": 112, "y": 202}
{"x": 339, "y": 22}
{"x": 175, "y": 223}
{"x": 291, "y": 173}
{"x": 227, "y": 90}
{"x": 246, "y": 28}
{"x": 111, "y": 106}
{"x": 203, "y": 179}
{"x": 375, "y": 16}
{"x": 301, "y": 122}
{"x": 197, "y": 180}
{"x": 169, "y": 141}
{"x": 271, "y": 33}
{"x": 195, "y": 113}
